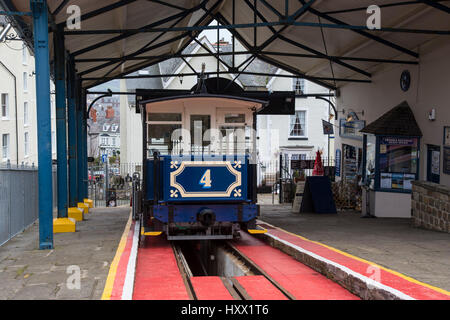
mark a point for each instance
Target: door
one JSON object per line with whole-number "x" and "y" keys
{"x": 199, "y": 125}
{"x": 433, "y": 163}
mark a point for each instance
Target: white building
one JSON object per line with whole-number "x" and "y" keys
{"x": 18, "y": 124}
{"x": 300, "y": 136}
{"x": 104, "y": 127}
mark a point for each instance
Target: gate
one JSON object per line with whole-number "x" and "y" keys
{"x": 110, "y": 185}
{"x": 279, "y": 176}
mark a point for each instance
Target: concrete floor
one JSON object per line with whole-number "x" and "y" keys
{"x": 29, "y": 273}
{"x": 393, "y": 243}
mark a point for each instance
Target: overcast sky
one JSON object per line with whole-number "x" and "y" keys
{"x": 212, "y": 34}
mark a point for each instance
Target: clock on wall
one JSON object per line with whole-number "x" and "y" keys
{"x": 405, "y": 80}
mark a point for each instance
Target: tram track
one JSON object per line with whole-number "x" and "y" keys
{"x": 241, "y": 279}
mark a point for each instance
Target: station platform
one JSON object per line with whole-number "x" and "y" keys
{"x": 417, "y": 255}
{"x": 29, "y": 273}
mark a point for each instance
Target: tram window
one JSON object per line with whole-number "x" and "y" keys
{"x": 164, "y": 116}
{"x": 234, "y": 140}
{"x": 159, "y": 137}
{"x": 235, "y": 118}
{"x": 199, "y": 125}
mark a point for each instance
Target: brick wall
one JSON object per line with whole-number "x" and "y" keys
{"x": 431, "y": 206}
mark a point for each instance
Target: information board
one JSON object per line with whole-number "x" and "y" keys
{"x": 318, "y": 196}
{"x": 446, "y": 165}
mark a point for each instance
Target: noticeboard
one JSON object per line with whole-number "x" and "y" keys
{"x": 446, "y": 165}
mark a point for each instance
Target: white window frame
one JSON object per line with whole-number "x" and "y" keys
{"x": 306, "y": 124}
{"x": 26, "y": 116}
{"x": 26, "y": 144}
{"x": 25, "y": 81}
{"x": 294, "y": 85}
{"x": 25, "y": 55}
{"x": 6, "y": 116}
{"x": 5, "y": 148}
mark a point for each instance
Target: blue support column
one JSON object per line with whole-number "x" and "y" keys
{"x": 61, "y": 137}
{"x": 80, "y": 144}
{"x": 72, "y": 132}
{"x": 85, "y": 149}
{"x": 42, "y": 69}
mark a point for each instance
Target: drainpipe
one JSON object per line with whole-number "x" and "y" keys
{"x": 15, "y": 110}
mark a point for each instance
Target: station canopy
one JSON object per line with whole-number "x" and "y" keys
{"x": 323, "y": 41}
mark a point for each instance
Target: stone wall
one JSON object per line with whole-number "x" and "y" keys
{"x": 431, "y": 206}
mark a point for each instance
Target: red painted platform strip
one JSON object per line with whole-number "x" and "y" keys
{"x": 157, "y": 274}
{"x": 259, "y": 288}
{"x": 408, "y": 287}
{"x": 299, "y": 280}
{"x": 210, "y": 288}
{"x": 121, "y": 272}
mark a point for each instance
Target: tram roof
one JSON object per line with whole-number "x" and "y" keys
{"x": 324, "y": 41}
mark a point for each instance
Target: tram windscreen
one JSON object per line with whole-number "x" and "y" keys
{"x": 160, "y": 137}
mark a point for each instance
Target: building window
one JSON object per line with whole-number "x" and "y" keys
{"x": 25, "y": 81}
{"x": 25, "y": 114}
{"x": 113, "y": 141}
{"x": 5, "y": 106}
{"x": 53, "y": 142}
{"x": 5, "y": 146}
{"x": 25, "y": 55}
{"x": 27, "y": 144}
{"x": 298, "y": 85}
{"x": 298, "y": 124}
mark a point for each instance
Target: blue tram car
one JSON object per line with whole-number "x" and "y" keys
{"x": 199, "y": 166}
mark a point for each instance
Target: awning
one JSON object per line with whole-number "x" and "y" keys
{"x": 324, "y": 41}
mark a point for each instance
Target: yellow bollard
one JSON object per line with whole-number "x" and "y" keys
{"x": 83, "y": 206}
{"x": 89, "y": 202}
{"x": 76, "y": 213}
{"x": 62, "y": 225}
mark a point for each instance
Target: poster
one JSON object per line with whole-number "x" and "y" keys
{"x": 386, "y": 181}
{"x": 446, "y": 162}
{"x": 435, "y": 162}
{"x": 397, "y": 180}
{"x": 446, "y": 136}
{"x": 338, "y": 162}
{"x": 407, "y": 181}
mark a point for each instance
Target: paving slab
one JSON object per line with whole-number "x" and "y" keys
{"x": 29, "y": 273}
{"x": 392, "y": 243}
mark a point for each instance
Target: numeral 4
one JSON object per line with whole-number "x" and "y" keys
{"x": 206, "y": 179}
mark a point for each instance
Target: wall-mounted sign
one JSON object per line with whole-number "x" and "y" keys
{"x": 446, "y": 165}
{"x": 351, "y": 129}
{"x": 446, "y": 136}
{"x": 302, "y": 164}
{"x": 327, "y": 127}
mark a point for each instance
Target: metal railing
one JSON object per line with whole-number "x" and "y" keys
{"x": 18, "y": 199}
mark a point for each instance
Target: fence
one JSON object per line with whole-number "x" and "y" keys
{"x": 18, "y": 200}
{"x": 112, "y": 182}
